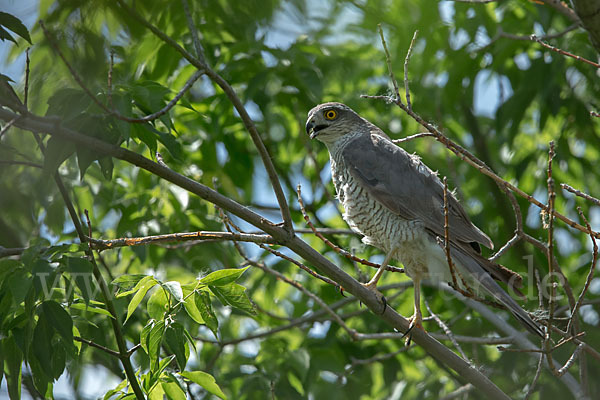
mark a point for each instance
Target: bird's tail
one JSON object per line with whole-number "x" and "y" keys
{"x": 477, "y": 269}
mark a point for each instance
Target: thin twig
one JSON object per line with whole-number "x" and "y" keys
{"x": 563, "y": 52}
{"x": 98, "y": 346}
{"x": 27, "y": 71}
{"x": 447, "y": 331}
{"x": 6, "y": 127}
{"x": 570, "y": 361}
{"x": 389, "y": 64}
{"x": 406, "y": 60}
{"x": 549, "y": 224}
{"x": 411, "y": 137}
{"x": 538, "y": 370}
{"x": 463, "y": 390}
{"x": 193, "y": 31}
{"x": 590, "y": 275}
{"x": 99, "y": 244}
{"x": 580, "y": 194}
{"x": 27, "y": 163}
{"x": 228, "y": 222}
{"x": 447, "y": 235}
{"x": 110, "y": 78}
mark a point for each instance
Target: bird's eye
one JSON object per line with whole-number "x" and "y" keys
{"x": 330, "y": 114}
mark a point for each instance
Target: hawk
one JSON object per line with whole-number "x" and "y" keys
{"x": 396, "y": 203}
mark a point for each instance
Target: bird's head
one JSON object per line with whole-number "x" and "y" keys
{"x": 330, "y": 121}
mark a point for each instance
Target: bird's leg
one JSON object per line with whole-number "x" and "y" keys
{"x": 372, "y": 284}
{"x": 417, "y": 317}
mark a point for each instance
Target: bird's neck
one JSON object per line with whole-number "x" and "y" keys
{"x": 337, "y": 145}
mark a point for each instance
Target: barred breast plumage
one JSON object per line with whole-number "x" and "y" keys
{"x": 382, "y": 228}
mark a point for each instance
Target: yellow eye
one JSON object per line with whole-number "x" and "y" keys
{"x": 330, "y": 114}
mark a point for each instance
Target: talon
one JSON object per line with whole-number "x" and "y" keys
{"x": 373, "y": 288}
{"x": 415, "y": 320}
{"x": 408, "y": 334}
{"x": 341, "y": 291}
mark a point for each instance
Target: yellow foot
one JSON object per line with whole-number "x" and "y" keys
{"x": 415, "y": 321}
{"x": 373, "y": 288}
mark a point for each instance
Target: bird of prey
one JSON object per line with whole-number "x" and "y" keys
{"x": 396, "y": 203}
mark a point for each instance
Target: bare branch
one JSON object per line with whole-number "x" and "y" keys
{"x": 447, "y": 235}
{"x": 100, "y": 244}
{"x": 590, "y": 275}
{"x": 389, "y": 64}
{"x": 98, "y": 346}
{"x": 411, "y": 137}
{"x": 563, "y": 52}
{"x": 406, "y": 60}
{"x": 538, "y": 370}
{"x": 580, "y": 194}
{"x": 446, "y": 330}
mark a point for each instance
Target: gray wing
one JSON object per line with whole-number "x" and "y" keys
{"x": 407, "y": 187}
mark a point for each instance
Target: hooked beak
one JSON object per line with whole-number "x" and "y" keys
{"x": 314, "y": 130}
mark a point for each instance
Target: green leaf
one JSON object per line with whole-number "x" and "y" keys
{"x": 143, "y": 286}
{"x": 126, "y": 282}
{"x": 4, "y": 35}
{"x": 41, "y": 381}
{"x": 235, "y": 296}
{"x": 146, "y": 135}
{"x": 106, "y": 166}
{"x": 116, "y": 390}
{"x": 59, "y": 319}
{"x": 173, "y": 390}
{"x": 75, "y": 342}
{"x": 295, "y": 383}
{"x": 192, "y": 310}
{"x": 171, "y": 144}
{"x": 15, "y": 25}
{"x": 154, "y": 340}
{"x": 144, "y": 334}
{"x": 203, "y": 304}
{"x": 175, "y": 340}
{"x": 42, "y": 346}
{"x": 58, "y": 361}
{"x": 57, "y": 151}
{"x": 206, "y": 381}
{"x": 13, "y": 359}
{"x": 157, "y": 393}
{"x": 19, "y": 283}
{"x": 81, "y": 270}
{"x": 174, "y": 288}
{"x": 223, "y": 276}
{"x": 158, "y": 304}
{"x": 90, "y": 308}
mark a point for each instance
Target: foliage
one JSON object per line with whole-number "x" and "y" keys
{"x": 188, "y": 309}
